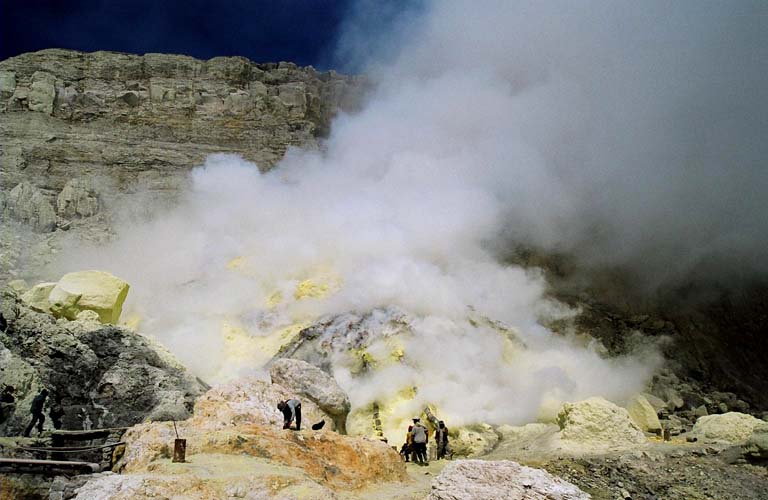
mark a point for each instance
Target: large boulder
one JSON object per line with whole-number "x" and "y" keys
{"x": 77, "y": 199}
{"x": 598, "y": 422}
{"x": 249, "y": 400}
{"x": 238, "y": 426}
{"x": 643, "y": 414}
{"x": 473, "y": 440}
{"x": 756, "y": 446}
{"x": 731, "y": 427}
{"x": 500, "y": 480}
{"x": 105, "y": 375}
{"x": 313, "y": 383}
{"x": 96, "y": 291}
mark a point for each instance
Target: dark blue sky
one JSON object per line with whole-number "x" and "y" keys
{"x": 301, "y": 31}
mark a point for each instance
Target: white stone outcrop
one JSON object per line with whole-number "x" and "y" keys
{"x": 596, "y": 422}
{"x": 42, "y": 92}
{"x": 251, "y": 401}
{"x": 28, "y": 204}
{"x": 313, "y": 383}
{"x": 96, "y": 291}
{"x": 757, "y": 443}
{"x": 500, "y": 480}
{"x": 77, "y": 199}
{"x": 732, "y": 427}
{"x": 7, "y": 84}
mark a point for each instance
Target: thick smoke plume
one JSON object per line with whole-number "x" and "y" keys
{"x": 626, "y": 133}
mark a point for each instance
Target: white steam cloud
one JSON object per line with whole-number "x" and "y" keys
{"x": 623, "y": 132}
{"x": 626, "y": 133}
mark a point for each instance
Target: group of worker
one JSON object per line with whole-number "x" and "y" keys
{"x": 8, "y": 405}
{"x": 417, "y": 438}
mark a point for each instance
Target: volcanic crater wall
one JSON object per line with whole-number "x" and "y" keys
{"x": 79, "y": 129}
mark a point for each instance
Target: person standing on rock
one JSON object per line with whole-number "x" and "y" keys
{"x": 37, "y": 413}
{"x": 419, "y": 438}
{"x": 56, "y": 411}
{"x": 7, "y": 402}
{"x": 291, "y": 411}
{"x": 441, "y": 438}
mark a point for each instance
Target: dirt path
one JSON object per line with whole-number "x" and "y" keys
{"x": 417, "y": 488}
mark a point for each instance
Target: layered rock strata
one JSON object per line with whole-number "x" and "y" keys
{"x": 80, "y": 132}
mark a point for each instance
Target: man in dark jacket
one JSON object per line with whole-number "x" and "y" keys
{"x": 56, "y": 411}
{"x": 37, "y": 413}
{"x": 291, "y": 410}
{"x": 7, "y": 403}
{"x": 441, "y": 438}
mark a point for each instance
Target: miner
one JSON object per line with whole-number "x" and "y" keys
{"x": 37, "y": 413}
{"x": 441, "y": 438}
{"x": 56, "y": 411}
{"x": 291, "y": 411}
{"x": 7, "y": 402}
{"x": 419, "y": 438}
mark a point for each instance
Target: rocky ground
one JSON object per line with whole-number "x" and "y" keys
{"x": 692, "y": 475}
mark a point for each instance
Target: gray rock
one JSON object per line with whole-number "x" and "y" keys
{"x": 7, "y": 84}
{"x": 108, "y": 376}
{"x": 500, "y": 480}
{"x": 313, "y": 383}
{"x": 701, "y": 411}
{"x": 77, "y": 199}
{"x": 29, "y": 205}
{"x": 42, "y": 92}
{"x": 756, "y": 447}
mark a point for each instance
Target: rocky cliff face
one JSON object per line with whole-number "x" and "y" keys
{"x": 100, "y": 375}
{"x": 80, "y": 130}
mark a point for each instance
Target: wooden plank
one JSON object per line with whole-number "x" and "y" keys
{"x": 32, "y": 465}
{"x": 67, "y": 449}
{"x": 85, "y": 435}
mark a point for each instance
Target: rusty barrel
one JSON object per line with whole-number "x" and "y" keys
{"x": 179, "y": 450}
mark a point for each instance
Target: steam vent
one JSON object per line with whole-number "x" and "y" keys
{"x": 495, "y": 250}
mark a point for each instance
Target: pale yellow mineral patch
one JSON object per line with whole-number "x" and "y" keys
{"x": 311, "y": 289}
{"x": 18, "y": 286}
{"x": 643, "y": 414}
{"x": 237, "y": 264}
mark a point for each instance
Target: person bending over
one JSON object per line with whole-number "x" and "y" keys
{"x": 291, "y": 410}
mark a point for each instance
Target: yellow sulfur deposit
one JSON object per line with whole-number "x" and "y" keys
{"x": 132, "y": 321}
{"x": 274, "y": 300}
{"x": 237, "y": 264}
{"x": 37, "y": 297}
{"x": 96, "y": 291}
{"x": 243, "y": 350}
{"x": 310, "y": 289}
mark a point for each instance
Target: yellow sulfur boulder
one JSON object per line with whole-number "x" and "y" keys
{"x": 37, "y": 297}
{"x": 96, "y": 291}
{"x": 643, "y": 414}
